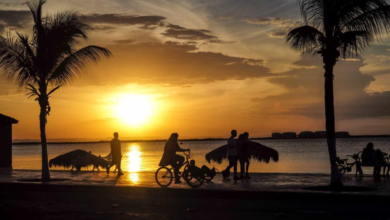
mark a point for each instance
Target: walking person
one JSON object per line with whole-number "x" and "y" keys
{"x": 244, "y": 158}
{"x": 116, "y": 154}
{"x": 232, "y": 153}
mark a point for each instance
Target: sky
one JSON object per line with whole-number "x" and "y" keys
{"x": 200, "y": 68}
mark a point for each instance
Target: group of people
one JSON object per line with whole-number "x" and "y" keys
{"x": 376, "y": 158}
{"x": 237, "y": 151}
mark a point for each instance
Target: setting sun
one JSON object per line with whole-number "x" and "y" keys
{"x": 134, "y": 109}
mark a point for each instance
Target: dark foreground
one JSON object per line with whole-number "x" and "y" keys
{"x": 32, "y": 201}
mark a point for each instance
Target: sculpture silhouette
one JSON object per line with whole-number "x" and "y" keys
{"x": 79, "y": 159}
{"x": 256, "y": 151}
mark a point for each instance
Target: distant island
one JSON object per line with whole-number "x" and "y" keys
{"x": 275, "y": 136}
{"x": 308, "y": 135}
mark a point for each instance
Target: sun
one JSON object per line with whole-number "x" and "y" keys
{"x": 134, "y": 109}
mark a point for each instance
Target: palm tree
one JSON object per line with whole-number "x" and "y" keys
{"x": 335, "y": 28}
{"x": 48, "y": 60}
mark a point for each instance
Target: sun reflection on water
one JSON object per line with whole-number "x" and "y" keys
{"x": 134, "y": 162}
{"x": 134, "y": 177}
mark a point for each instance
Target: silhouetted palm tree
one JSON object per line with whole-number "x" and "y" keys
{"x": 335, "y": 28}
{"x": 48, "y": 60}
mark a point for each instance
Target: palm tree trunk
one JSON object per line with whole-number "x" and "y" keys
{"x": 335, "y": 179}
{"x": 45, "y": 164}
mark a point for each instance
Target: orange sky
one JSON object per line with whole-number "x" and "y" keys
{"x": 203, "y": 68}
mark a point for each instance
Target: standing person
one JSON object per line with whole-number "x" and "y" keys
{"x": 171, "y": 158}
{"x": 232, "y": 153}
{"x": 244, "y": 158}
{"x": 116, "y": 154}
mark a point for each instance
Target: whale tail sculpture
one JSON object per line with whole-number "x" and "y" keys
{"x": 65, "y": 160}
{"x": 78, "y": 159}
{"x": 256, "y": 151}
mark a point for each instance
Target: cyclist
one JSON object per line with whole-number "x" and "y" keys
{"x": 171, "y": 158}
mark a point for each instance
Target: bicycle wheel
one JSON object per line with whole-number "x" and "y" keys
{"x": 208, "y": 178}
{"x": 194, "y": 181}
{"x": 341, "y": 169}
{"x": 186, "y": 175}
{"x": 164, "y": 176}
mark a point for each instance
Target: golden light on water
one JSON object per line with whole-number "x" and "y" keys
{"x": 133, "y": 177}
{"x": 134, "y": 159}
{"x": 134, "y": 109}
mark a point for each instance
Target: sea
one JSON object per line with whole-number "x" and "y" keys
{"x": 295, "y": 156}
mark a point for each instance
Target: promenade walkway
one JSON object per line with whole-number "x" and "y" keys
{"x": 100, "y": 196}
{"x": 259, "y": 181}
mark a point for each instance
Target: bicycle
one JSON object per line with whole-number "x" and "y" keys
{"x": 164, "y": 174}
{"x": 343, "y": 165}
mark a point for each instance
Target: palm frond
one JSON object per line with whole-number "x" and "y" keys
{"x": 53, "y": 90}
{"x": 32, "y": 91}
{"x": 373, "y": 20}
{"x": 30, "y": 54}
{"x": 36, "y": 9}
{"x": 353, "y": 42}
{"x": 305, "y": 39}
{"x": 63, "y": 33}
{"x": 14, "y": 62}
{"x": 312, "y": 12}
{"x": 76, "y": 62}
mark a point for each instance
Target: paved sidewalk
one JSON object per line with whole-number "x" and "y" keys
{"x": 259, "y": 181}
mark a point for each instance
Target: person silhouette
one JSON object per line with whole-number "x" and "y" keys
{"x": 232, "y": 153}
{"x": 244, "y": 158}
{"x": 171, "y": 158}
{"x": 116, "y": 154}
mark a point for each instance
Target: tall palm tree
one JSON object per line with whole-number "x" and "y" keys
{"x": 335, "y": 28}
{"x": 48, "y": 60}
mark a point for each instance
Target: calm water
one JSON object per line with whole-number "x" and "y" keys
{"x": 296, "y": 156}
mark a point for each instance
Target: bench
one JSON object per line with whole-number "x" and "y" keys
{"x": 344, "y": 166}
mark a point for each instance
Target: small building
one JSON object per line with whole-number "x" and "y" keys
{"x": 276, "y": 135}
{"x": 320, "y": 134}
{"x": 306, "y": 134}
{"x": 6, "y": 141}
{"x": 289, "y": 135}
{"x": 342, "y": 134}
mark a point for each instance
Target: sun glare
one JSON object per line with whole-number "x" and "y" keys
{"x": 134, "y": 109}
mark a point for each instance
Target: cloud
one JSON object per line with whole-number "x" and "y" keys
{"x": 146, "y": 22}
{"x": 14, "y": 19}
{"x": 181, "y": 33}
{"x": 281, "y": 25}
{"x": 304, "y": 92}
{"x": 170, "y": 64}
{"x": 3, "y": 4}
{"x": 109, "y": 22}
{"x": 104, "y": 28}
{"x": 127, "y": 41}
